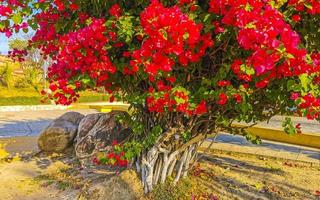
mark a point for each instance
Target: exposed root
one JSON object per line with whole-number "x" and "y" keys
{"x": 158, "y": 164}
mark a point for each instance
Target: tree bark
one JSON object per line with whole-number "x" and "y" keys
{"x": 162, "y": 161}
{"x": 180, "y": 167}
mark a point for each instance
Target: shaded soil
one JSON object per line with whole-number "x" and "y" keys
{"x": 227, "y": 176}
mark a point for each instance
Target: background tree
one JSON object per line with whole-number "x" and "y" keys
{"x": 189, "y": 68}
{"x": 32, "y": 63}
{"x": 6, "y": 75}
{"x": 7, "y": 67}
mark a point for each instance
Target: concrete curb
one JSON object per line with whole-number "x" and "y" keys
{"x": 99, "y": 106}
{"x": 304, "y": 139}
{"x": 31, "y": 108}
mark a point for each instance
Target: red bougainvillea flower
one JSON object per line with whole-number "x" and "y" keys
{"x": 223, "y": 83}
{"x": 295, "y": 96}
{"x": 262, "y": 84}
{"x": 223, "y": 99}
{"x": 59, "y": 4}
{"x": 122, "y": 163}
{"x": 238, "y": 98}
{"x": 111, "y": 155}
{"x": 111, "y": 99}
{"x": 96, "y": 161}
{"x": 298, "y": 128}
{"x": 167, "y": 43}
{"x": 263, "y": 30}
{"x": 81, "y": 53}
{"x": 296, "y": 18}
{"x": 53, "y": 87}
{"x": 5, "y": 10}
{"x": 114, "y": 142}
{"x": 115, "y": 10}
{"x": 74, "y": 7}
{"x": 201, "y": 108}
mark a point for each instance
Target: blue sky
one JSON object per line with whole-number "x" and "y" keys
{"x": 3, "y": 44}
{"x": 4, "y": 41}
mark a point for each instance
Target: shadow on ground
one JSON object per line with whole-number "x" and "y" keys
{"x": 13, "y": 128}
{"x": 232, "y": 176}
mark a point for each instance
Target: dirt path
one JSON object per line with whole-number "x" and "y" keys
{"x": 61, "y": 177}
{"x": 19, "y": 181}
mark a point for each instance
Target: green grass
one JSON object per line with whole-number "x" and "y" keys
{"x": 31, "y": 97}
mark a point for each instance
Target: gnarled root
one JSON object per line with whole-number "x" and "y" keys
{"x": 159, "y": 163}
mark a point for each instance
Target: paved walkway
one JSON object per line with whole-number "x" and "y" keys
{"x": 30, "y": 123}
{"x": 234, "y": 143}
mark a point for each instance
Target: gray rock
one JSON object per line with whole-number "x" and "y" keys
{"x": 97, "y": 132}
{"x": 60, "y": 133}
{"x": 73, "y": 117}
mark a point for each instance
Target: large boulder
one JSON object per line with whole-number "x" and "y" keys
{"x": 97, "y": 132}
{"x": 60, "y": 133}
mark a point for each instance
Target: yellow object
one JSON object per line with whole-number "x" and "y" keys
{"x": 3, "y": 153}
{"x": 102, "y": 106}
{"x": 304, "y": 139}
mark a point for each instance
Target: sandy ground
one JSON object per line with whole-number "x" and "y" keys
{"x": 18, "y": 181}
{"x": 222, "y": 175}
{"x": 26, "y": 174}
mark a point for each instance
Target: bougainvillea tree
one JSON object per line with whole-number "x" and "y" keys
{"x": 189, "y": 68}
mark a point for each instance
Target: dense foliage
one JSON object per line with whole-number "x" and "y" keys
{"x": 190, "y": 66}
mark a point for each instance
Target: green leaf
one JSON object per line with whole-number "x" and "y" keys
{"x": 251, "y": 138}
{"x": 289, "y": 128}
{"x": 305, "y": 80}
{"x": 290, "y": 85}
{"x": 16, "y": 18}
{"x": 179, "y": 100}
{"x": 206, "y": 17}
{"x": 307, "y": 5}
{"x": 186, "y": 136}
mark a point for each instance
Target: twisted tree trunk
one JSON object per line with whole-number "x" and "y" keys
{"x": 167, "y": 158}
